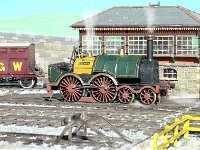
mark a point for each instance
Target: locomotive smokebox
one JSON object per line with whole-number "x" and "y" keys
{"x": 149, "y": 67}
{"x": 149, "y": 39}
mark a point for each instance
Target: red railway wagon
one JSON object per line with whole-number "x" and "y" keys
{"x": 17, "y": 65}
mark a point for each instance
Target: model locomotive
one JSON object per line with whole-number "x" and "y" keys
{"x": 108, "y": 78}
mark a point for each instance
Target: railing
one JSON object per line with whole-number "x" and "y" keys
{"x": 175, "y": 132}
{"x": 73, "y": 56}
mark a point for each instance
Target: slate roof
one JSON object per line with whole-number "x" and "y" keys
{"x": 147, "y": 16}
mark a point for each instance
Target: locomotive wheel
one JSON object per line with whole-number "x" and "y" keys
{"x": 27, "y": 83}
{"x": 68, "y": 89}
{"x": 125, "y": 95}
{"x": 147, "y": 96}
{"x": 104, "y": 89}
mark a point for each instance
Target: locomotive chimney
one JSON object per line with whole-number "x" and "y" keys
{"x": 150, "y": 47}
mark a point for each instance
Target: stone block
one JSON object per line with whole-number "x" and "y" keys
{"x": 47, "y": 53}
{"x": 54, "y": 55}
{"x": 56, "y": 46}
{"x": 42, "y": 53}
{"x": 48, "y": 46}
{"x": 63, "y": 47}
{"x": 59, "y": 59}
{"x": 4, "y": 41}
{"x": 70, "y": 48}
{"x": 39, "y": 46}
{"x": 48, "y": 58}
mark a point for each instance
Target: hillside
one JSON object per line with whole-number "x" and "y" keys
{"x": 41, "y": 24}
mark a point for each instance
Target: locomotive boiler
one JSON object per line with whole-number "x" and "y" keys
{"x": 108, "y": 78}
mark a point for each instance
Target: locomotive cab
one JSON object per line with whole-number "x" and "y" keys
{"x": 83, "y": 64}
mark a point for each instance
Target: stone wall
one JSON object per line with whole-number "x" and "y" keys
{"x": 48, "y": 49}
{"x": 187, "y": 83}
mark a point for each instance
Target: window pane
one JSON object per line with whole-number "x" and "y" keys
{"x": 92, "y": 44}
{"x": 164, "y": 45}
{"x": 170, "y": 73}
{"x": 114, "y": 44}
{"x": 139, "y": 45}
{"x": 187, "y": 45}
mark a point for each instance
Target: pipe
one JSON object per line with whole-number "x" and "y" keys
{"x": 150, "y": 47}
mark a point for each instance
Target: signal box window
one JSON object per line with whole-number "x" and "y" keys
{"x": 92, "y": 44}
{"x": 163, "y": 45}
{"x": 114, "y": 44}
{"x": 187, "y": 45}
{"x": 170, "y": 73}
{"x": 137, "y": 45}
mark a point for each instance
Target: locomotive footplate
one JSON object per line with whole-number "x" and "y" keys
{"x": 125, "y": 94}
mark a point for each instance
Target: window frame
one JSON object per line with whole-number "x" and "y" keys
{"x": 174, "y": 74}
{"x": 168, "y": 45}
{"x": 138, "y": 50}
{"x": 134, "y": 49}
{"x": 94, "y": 45}
{"x": 117, "y": 44}
{"x": 184, "y": 49}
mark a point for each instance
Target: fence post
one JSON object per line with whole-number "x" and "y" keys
{"x": 166, "y": 137}
{"x": 176, "y": 132}
{"x": 186, "y": 127}
{"x": 85, "y": 130}
{"x": 70, "y": 134}
{"x": 155, "y": 139}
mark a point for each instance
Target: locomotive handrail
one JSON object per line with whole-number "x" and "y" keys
{"x": 73, "y": 55}
{"x": 177, "y": 133}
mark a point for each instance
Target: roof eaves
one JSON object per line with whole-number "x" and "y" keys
{"x": 160, "y": 27}
{"x": 189, "y": 13}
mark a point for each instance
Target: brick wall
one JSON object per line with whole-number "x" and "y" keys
{"x": 48, "y": 49}
{"x": 187, "y": 83}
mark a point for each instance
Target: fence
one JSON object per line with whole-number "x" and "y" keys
{"x": 183, "y": 123}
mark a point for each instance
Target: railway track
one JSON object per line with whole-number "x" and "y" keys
{"x": 34, "y": 111}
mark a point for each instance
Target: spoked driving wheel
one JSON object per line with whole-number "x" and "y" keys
{"x": 70, "y": 89}
{"x": 125, "y": 95}
{"x": 27, "y": 82}
{"x": 147, "y": 96}
{"x": 103, "y": 89}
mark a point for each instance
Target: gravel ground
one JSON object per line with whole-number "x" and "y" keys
{"x": 167, "y": 108}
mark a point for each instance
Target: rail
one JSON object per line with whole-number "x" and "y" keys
{"x": 85, "y": 122}
{"x": 175, "y": 132}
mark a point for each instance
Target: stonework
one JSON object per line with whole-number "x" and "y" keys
{"x": 48, "y": 49}
{"x": 187, "y": 83}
